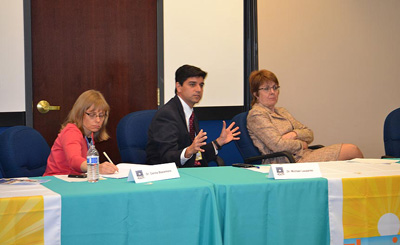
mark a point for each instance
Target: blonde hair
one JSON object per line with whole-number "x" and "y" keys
{"x": 258, "y": 78}
{"x": 85, "y": 101}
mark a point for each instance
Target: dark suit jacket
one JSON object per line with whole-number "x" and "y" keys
{"x": 168, "y": 135}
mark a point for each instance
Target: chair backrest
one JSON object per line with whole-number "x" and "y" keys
{"x": 132, "y": 136}
{"x": 391, "y": 133}
{"x": 1, "y": 171}
{"x": 245, "y": 143}
{"x": 23, "y": 152}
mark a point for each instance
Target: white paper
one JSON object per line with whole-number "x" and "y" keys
{"x": 123, "y": 171}
{"x": 374, "y": 161}
{"x": 261, "y": 169}
{"x": 67, "y": 179}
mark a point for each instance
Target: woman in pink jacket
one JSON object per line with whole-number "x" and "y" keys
{"x": 85, "y": 124}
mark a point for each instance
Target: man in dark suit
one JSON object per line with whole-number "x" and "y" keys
{"x": 174, "y": 134}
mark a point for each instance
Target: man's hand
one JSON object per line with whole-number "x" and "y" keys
{"x": 198, "y": 142}
{"x": 228, "y": 134}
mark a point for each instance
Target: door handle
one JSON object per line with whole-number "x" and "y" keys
{"x": 44, "y": 107}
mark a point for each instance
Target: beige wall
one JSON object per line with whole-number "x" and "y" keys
{"x": 338, "y": 65}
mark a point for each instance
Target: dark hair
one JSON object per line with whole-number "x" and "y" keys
{"x": 186, "y": 71}
{"x": 257, "y": 78}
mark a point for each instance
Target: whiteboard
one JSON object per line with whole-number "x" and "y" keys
{"x": 207, "y": 34}
{"x": 12, "y": 61}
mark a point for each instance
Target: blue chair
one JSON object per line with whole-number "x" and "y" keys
{"x": 245, "y": 145}
{"x": 1, "y": 172}
{"x": 132, "y": 136}
{"x": 391, "y": 134}
{"x": 249, "y": 152}
{"x": 23, "y": 152}
{"x": 1, "y": 169}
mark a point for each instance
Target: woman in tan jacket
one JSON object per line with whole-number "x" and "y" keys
{"x": 274, "y": 129}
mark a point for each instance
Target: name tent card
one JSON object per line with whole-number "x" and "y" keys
{"x": 147, "y": 173}
{"x": 294, "y": 171}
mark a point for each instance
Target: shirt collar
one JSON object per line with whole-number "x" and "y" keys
{"x": 186, "y": 109}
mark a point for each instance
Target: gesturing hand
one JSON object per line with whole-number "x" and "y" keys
{"x": 228, "y": 134}
{"x": 198, "y": 142}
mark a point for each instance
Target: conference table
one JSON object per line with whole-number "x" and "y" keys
{"x": 256, "y": 210}
{"x": 215, "y": 205}
{"x": 114, "y": 211}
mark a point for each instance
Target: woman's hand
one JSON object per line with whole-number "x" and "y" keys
{"x": 107, "y": 168}
{"x": 305, "y": 145}
{"x": 290, "y": 136}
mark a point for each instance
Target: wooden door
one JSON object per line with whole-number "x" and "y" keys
{"x": 107, "y": 45}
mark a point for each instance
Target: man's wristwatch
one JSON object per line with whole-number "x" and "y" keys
{"x": 217, "y": 145}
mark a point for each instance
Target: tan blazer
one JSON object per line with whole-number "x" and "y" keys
{"x": 266, "y": 128}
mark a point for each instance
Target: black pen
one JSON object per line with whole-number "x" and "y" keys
{"x": 76, "y": 175}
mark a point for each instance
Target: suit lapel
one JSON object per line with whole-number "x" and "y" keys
{"x": 180, "y": 111}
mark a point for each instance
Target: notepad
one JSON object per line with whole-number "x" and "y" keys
{"x": 373, "y": 160}
{"x": 123, "y": 171}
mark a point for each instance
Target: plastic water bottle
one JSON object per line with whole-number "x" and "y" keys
{"x": 92, "y": 164}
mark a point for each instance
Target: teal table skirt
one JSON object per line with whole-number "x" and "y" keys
{"x": 256, "y": 210}
{"x": 215, "y": 205}
{"x": 114, "y": 211}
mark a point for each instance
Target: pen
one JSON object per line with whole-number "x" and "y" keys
{"x": 105, "y": 154}
{"x": 109, "y": 159}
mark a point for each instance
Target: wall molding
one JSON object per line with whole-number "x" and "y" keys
{"x": 217, "y": 113}
{"x": 8, "y": 119}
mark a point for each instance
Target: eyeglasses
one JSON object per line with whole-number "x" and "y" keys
{"x": 94, "y": 115}
{"x": 266, "y": 89}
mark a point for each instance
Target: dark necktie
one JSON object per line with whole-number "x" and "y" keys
{"x": 192, "y": 133}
